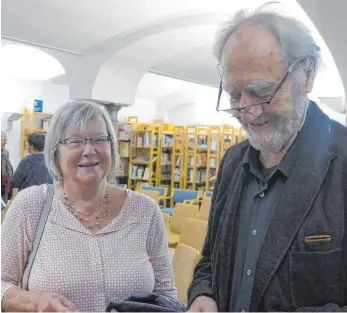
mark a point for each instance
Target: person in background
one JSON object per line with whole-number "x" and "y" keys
{"x": 32, "y": 169}
{"x": 277, "y": 235}
{"x": 6, "y": 170}
{"x": 100, "y": 243}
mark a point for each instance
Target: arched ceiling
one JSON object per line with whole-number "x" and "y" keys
{"x": 121, "y": 40}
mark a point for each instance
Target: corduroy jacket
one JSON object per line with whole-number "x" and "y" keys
{"x": 303, "y": 262}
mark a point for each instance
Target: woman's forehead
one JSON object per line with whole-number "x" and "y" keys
{"x": 88, "y": 128}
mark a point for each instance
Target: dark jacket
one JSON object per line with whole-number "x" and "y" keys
{"x": 147, "y": 302}
{"x": 294, "y": 271}
{"x": 31, "y": 171}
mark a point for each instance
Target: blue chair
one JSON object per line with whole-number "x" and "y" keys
{"x": 180, "y": 196}
{"x": 162, "y": 192}
{"x": 209, "y": 194}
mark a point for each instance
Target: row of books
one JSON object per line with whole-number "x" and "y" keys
{"x": 200, "y": 176}
{"x": 144, "y": 139}
{"x": 167, "y": 141}
{"x": 139, "y": 172}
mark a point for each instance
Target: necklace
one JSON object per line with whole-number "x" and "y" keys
{"x": 86, "y": 218}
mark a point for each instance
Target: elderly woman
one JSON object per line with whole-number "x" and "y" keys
{"x": 6, "y": 170}
{"x": 32, "y": 169}
{"x": 100, "y": 243}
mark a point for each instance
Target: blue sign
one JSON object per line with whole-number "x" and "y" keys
{"x": 38, "y": 105}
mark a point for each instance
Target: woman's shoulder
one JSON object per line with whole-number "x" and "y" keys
{"x": 141, "y": 203}
{"x": 31, "y": 198}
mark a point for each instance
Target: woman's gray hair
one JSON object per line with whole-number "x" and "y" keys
{"x": 294, "y": 37}
{"x": 76, "y": 114}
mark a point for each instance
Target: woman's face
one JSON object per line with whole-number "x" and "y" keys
{"x": 88, "y": 163}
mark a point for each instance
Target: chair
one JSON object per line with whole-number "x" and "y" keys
{"x": 194, "y": 233}
{"x": 181, "y": 212}
{"x": 122, "y": 186}
{"x": 179, "y": 196}
{"x": 154, "y": 195}
{"x": 208, "y": 194}
{"x": 162, "y": 191}
{"x": 166, "y": 221}
{"x": 183, "y": 263}
{"x": 205, "y": 209}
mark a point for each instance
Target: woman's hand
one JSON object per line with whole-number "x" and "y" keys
{"x": 53, "y": 302}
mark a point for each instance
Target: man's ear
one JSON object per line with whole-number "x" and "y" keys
{"x": 309, "y": 70}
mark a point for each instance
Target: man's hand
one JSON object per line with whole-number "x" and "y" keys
{"x": 203, "y": 304}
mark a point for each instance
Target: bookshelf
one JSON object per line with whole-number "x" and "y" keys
{"x": 123, "y": 132}
{"x": 177, "y": 169}
{"x": 195, "y": 157}
{"x": 227, "y": 139}
{"x": 213, "y": 156}
{"x": 143, "y": 154}
{"x": 165, "y": 157}
{"x": 31, "y": 122}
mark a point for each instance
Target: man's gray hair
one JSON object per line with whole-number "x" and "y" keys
{"x": 294, "y": 37}
{"x": 76, "y": 114}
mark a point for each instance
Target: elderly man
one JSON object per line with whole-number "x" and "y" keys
{"x": 277, "y": 236}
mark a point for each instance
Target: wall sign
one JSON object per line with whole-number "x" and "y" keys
{"x": 38, "y": 105}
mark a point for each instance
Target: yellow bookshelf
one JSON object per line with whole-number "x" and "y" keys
{"x": 177, "y": 171}
{"x": 143, "y": 154}
{"x": 32, "y": 122}
{"x": 213, "y": 156}
{"x": 195, "y": 158}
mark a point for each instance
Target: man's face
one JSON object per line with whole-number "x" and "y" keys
{"x": 253, "y": 67}
{"x": 3, "y": 142}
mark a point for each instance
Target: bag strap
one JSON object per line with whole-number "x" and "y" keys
{"x": 39, "y": 231}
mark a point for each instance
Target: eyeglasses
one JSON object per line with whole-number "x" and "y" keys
{"x": 236, "y": 112}
{"x": 80, "y": 142}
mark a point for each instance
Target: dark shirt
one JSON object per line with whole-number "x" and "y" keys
{"x": 31, "y": 171}
{"x": 259, "y": 200}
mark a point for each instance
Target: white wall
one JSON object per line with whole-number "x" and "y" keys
{"x": 145, "y": 109}
{"x": 20, "y": 93}
{"x": 195, "y": 105}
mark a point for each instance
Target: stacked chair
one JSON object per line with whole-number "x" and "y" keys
{"x": 184, "y": 262}
{"x": 179, "y": 196}
{"x": 186, "y": 237}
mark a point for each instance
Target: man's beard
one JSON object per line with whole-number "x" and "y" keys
{"x": 286, "y": 125}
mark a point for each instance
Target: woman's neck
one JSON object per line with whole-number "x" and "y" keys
{"x": 85, "y": 197}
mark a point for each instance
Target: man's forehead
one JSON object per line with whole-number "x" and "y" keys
{"x": 252, "y": 48}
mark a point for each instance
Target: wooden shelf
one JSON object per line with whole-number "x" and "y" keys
{"x": 43, "y": 114}
{"x": 140, "y": 162}
{"x": 36, "y": 130}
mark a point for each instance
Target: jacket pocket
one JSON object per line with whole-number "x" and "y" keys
{"x": 315, "y": 278}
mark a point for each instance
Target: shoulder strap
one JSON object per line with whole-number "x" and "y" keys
{"x": 39, "y": 231}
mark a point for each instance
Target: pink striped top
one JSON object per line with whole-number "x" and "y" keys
{"x": 129, "y": 255}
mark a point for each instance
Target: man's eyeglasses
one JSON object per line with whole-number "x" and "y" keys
{"x": 79, "y": 142}
{"x": 236, "y": 111}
